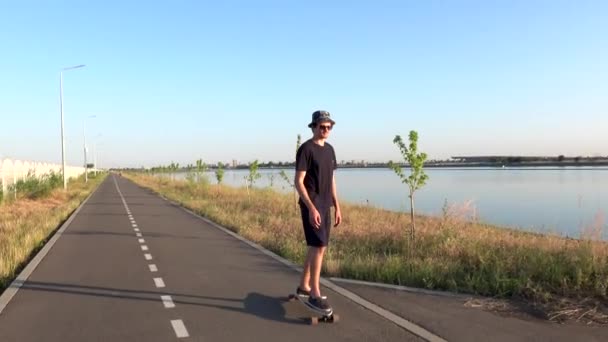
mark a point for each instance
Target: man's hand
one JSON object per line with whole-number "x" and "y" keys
{"x": 338, "y": 217}
{"x": 314, "y": 217}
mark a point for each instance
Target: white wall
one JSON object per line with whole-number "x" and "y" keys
{"x": 12, "y": 171}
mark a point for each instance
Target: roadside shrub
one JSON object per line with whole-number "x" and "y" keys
{"x": 34, "y": 187}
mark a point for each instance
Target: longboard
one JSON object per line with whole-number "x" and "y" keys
{"x": 316, "y": 317}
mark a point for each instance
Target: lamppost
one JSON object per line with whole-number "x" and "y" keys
{"x": 84, "y": 134}
{"x": 65, "y": 184}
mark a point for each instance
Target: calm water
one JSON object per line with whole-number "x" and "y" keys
{"x": 559, "y": 200}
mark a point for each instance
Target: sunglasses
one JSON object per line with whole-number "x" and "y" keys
{"x": 325, "y": 127}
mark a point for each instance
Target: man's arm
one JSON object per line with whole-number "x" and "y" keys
{"x": 299, "y": 182}
{"x": 334, "y": 195}
{"x": 314, "y": 216}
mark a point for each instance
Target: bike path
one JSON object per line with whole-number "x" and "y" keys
{"x": 134, "y": 267}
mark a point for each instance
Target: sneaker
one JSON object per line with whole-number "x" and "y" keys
{"x": 302, "y": 293}
{"x": 305, "y": 294}
{"x": 319, "y": 304}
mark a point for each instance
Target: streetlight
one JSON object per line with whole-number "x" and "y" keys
{"x": 84, "y": 134}
{"x": 65, "y": 184}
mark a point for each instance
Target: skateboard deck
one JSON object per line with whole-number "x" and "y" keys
{"x": 315, "y": 317}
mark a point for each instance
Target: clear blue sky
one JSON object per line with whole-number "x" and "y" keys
{"x": 181, "y": 80}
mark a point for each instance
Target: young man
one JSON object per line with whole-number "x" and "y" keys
{"x": 316, "y": 185}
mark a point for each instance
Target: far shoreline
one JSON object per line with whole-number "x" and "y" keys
{"x": 556, "y": 165}
{"x": 488, "y": 165}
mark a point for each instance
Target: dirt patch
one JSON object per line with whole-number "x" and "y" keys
{"x": 564, "y": 311}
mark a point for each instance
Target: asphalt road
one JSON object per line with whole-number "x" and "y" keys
{"x": 134, "y": 267}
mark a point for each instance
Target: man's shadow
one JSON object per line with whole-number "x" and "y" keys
{"x": 256, "y": 304}
{"x": 262, "y": 306}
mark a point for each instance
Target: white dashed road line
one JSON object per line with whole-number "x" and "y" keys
{"x": 167, "y": 302}
{"x": 179, "y": 328}
{"x": 158, "y": 282}
{"x": 178, "y": 324}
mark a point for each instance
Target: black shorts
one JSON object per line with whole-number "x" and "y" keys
{"x": 316, "y": 237}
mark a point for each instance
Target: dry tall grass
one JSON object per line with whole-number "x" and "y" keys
{"x": 452, "y": 252}
{"x": 26, "y": 224}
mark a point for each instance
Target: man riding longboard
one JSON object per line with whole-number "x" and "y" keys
{"x": 316, "y": 185}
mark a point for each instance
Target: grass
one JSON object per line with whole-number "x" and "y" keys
{"x": 27, "y": 222}
{"x": 33, "y": 187}
{"x": 550, "y": 273}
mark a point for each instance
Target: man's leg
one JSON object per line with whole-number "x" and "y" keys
{"x": 311, "y": 272}
{"x": 315, "y": 270}
{"x": 305, "y": 279}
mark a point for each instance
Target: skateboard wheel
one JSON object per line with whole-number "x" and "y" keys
{"x": 313, "y": 320}
{"x": 335, "y": 318}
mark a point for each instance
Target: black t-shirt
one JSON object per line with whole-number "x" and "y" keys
{"x": 319, "y": 162}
